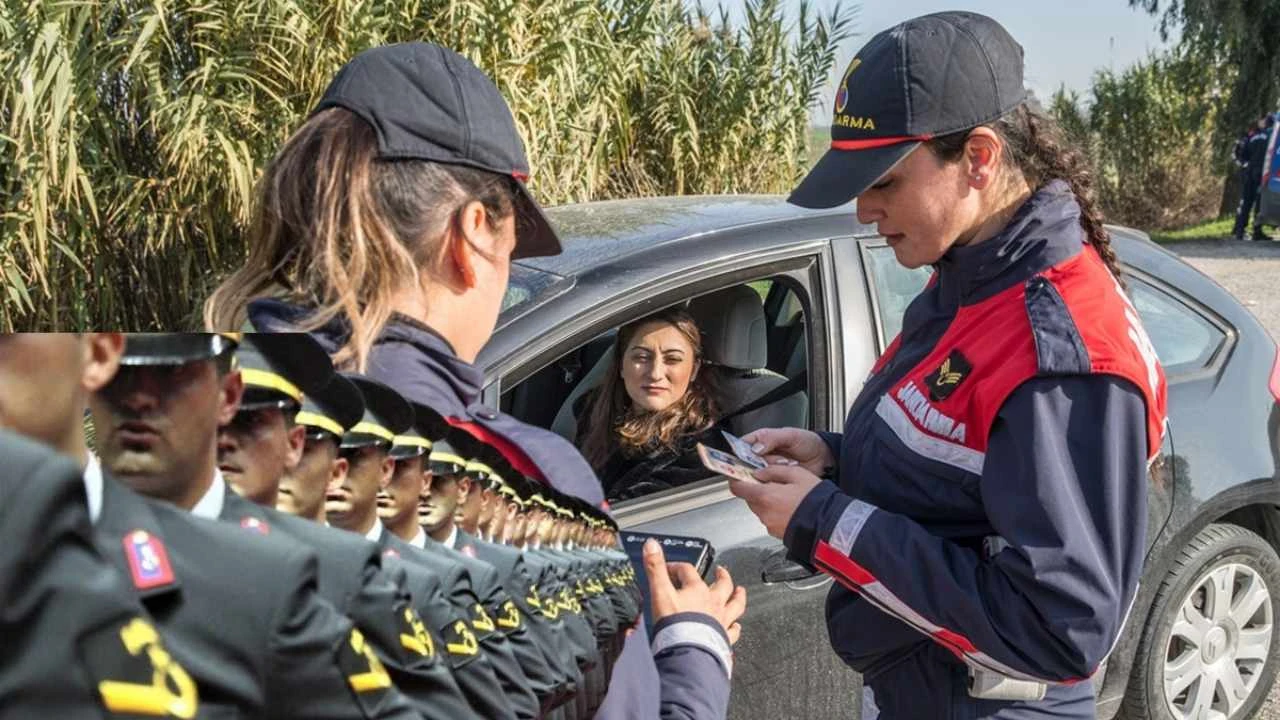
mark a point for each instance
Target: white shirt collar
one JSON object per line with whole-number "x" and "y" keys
{"x": 375, "y": 532}
{"x": 93, "y": 486}
{"x": 419, "y": 540}
{"x": 452, "y": 540}
{"x": 210, "y": 506}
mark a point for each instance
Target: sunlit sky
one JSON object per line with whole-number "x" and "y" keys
{"x": 1065, "y": 42}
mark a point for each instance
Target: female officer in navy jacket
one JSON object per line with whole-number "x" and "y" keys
{"x": 386, "y": 226}
{"x": 984, "y": 510}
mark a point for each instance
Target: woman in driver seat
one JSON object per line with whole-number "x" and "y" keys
{"x": 640, "y": 428}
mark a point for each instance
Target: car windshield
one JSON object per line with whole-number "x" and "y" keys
{"x": 528, "y": 288}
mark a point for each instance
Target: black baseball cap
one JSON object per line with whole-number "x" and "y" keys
{"x": 386, "y": 414}
{"x": 929, "y": 76}
{"x": 426, "y": 102}
{"x": 280, "y": 369}
{"x": 178, "y": 348}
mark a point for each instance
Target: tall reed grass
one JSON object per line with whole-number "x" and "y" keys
{"x": 132, "y": 131}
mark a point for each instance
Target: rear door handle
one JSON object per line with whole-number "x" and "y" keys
{"x": 776, "y": 568}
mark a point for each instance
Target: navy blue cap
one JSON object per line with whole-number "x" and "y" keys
{"x": 929, "y": 76}
{"x": 426, "y": 102}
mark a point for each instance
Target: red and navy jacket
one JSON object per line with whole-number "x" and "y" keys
{"x": 990, "y": 502}
{"x": 683, "y": 674}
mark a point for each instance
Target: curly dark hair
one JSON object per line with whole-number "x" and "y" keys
{"x": 611, "y": 423}
{"x": 1036, "y": 146}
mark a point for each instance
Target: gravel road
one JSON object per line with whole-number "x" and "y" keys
{"x": 1251, "y": 271}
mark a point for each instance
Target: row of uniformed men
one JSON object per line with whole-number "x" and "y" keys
{"x": 367, "y": 560}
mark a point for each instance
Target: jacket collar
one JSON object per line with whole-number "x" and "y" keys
{"x": 1043, "y": 232}
{"x": 408, "y": 353}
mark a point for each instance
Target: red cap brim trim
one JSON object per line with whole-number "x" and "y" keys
{"x": 870, "y": 143}
{"x": 522, "y": 177}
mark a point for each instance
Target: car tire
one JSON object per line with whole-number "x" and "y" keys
{"x": 1197, "y": 653}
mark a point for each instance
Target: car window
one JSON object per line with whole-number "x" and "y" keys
{"x": 1184, "y": 339}
{"x": 895, "y": 287}
{"x": 557, "y": 397}
{"x": 527, "y": 288}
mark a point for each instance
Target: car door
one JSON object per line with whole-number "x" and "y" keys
{"x": 784, "y": 666}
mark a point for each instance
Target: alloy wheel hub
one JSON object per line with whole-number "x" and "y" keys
{"x": 1218, "y": 644}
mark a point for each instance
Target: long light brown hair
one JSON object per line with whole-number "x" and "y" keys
{"x": 612, "y": 423}
{"x": 339, "y": 231}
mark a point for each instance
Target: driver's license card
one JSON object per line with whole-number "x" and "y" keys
{"x": 743, "y": 450}
{"x": 725, "y": 464}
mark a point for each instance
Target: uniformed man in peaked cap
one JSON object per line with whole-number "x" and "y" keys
{"x": 242, "y": 612}
{"x": 263, "y": 442}
{"x": 77, "y": 642}
{"x": 557, "y": 673}
{"x": 279, "y": 369}
{"x": 480, "y": 659}
{"x": 538, "y": 691}
{"x": 479, "y": 491}
{"x": 398, "y": 502}
{"x": 325, "y": 418}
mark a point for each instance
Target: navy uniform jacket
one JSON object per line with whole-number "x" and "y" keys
{"x": 244, "y": 616}
{"x": 1024, "y": 557}
{"x": 1251, "y": 152}
{"x": 556, "y": 590}
{"x": 353, "y": 581}
{"x": 548, "y": 633}
{"x": 68, "y": 619}
{"x": 496, "y": 669}
{"x": 650, "y": 681}
{"x": 507, "y": 620}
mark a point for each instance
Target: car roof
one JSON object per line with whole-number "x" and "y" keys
{"x": 603, "y": 233}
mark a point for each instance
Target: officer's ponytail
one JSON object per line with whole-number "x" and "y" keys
{"x": 339, "y": 231}
{"x": 1036, "y": 146}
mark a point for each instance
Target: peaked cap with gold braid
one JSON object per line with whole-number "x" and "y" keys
{"x": 386, "y": 414}
{"x": 280, "y": 369}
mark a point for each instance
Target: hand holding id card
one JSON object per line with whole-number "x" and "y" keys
{"x": 723, "y": 463}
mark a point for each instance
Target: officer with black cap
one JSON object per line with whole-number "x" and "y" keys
{"x": 537, "y": 693}
{"x": 279, "y": 649}
{"x": 1001, "y": 600}
{"x": 561, "y": 677}
{"x": 433, "y": 298}
{"x": 77, "y": 642}
{"x": 279, "y": 367}
{"x": 263, "y": 442}
{"x": 325, "y": 417}
{"x": 481, "y": 659}
{"x": 478, "y": 492}
{"x": 400, "y": 499}
{"x": 440, "y": 505}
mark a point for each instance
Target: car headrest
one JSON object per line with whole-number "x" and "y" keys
{"x": 733, "y": 327}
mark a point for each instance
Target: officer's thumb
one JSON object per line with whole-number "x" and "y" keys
{"x": 655, "y": 566}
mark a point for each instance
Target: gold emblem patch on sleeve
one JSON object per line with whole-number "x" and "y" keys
{"x": 136, "y": 675}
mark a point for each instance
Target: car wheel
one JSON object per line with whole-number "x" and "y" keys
{"x": 1205, "y": 652}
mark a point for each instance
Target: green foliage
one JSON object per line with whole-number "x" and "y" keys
{"x": 132, "y": 132}
{"x": 1217, "y": 229}
{"x": 1235, "y": 44}
{"x": 1147, "y": 130}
